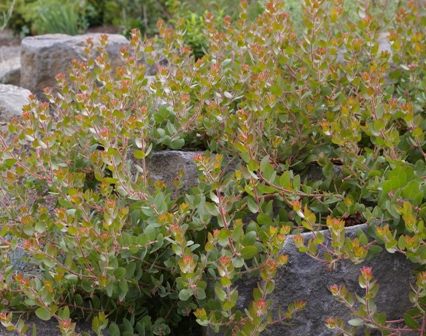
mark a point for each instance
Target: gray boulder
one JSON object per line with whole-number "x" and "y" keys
{"x": 12, "y": 98}
{"x": 10, "y": 71}
{"x": 165, "y": 166}
{"x": 45, "y": 56}
{"x": 49, "y": 328}
{"x": 306, "y": 279}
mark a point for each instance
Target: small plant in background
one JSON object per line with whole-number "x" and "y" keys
{"x": 137, "y": 257}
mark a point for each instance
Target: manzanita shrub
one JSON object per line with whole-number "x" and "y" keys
{"x": 107, "y": 244}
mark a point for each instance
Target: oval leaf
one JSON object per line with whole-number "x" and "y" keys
{"x": 120, "y": 273}
{"x": 248, "y": 252}
{"x": 185, "y": 294}
{"x": 43, "y": 314}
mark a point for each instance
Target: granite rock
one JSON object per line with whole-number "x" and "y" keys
{"x": 165, "y": 166}
{"x": 49, "y": 328}
{"x": 306, "y": 279}
{"x": 45, "y": 56}
{"x": 12, "y": 98}
{"x": 10, "y": 71}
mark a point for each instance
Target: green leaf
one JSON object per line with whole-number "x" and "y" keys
{"x": 325, "y": 91}
{"x": 119, "y": 272}
{"x": 379, "y": 124}
{"x": 138, "y": 154}
{"x": 78, "y": 299}
{"x": 220, "y": 293}
{"x": 263, "y": 219}
{"x": 319, "y": 239}
{"x": 289, "y": 50}
{"x": 40, "y": 227}
{"x": 398, "y": 177}
{"x": 285, "y": 180}
{"x": 43, "y": 314}
{"x": 10, "y": 162}
{"x": 224, "y": 234}
{"x": 177, "y": 143}
{"x": 410, "y": 322}
{"x": 249, "y": 238}
{"x": 248, "y": 252}
{"x": 264, "y": 162}
{"x": 240, "y": 147}
{"x": 212, "y": 208}
{"x": 411, "y": 190}
{"x": 113, "y": 329}
{"x": 270, "y": 286}
{"x": 4, "y": 231}
{"x": 130, "y": 270}
{"x": 268, "y": 172}
{"x": 266, "y": 189}
{"x": 65, "y": 203}
{"x": 296, "y": 182}
{"x": 373, "y": 250}
{"x": 253, "y": 165}
{"x": 276, "y": 90}
{"x": 363, "y": 238}
{"x": 185, "y": 294}
{"x": 237, "y": 262}
{"x": 201, "y": 293}
{"x": 64, "y": 313}
{"x": 355, "y": 322}
{"x": 282, "y": 59}
{"x": 380, "y": 318}
{"x": 252, "y": 205}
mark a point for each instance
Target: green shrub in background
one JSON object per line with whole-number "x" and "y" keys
{"x": 53, "y": 16}
{"x": 137, "y": 257}
{"x": 17, "y": 22}
{"x": 192, "y": 12}
{"x": 140, "y": 14}
{"x": 6, "y": 11}
{"x": 56, "y": 16}
{"x": 50, "y": 17}
{"x": 378, "y": 7}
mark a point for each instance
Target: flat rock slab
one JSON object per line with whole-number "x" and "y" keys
{"x": 306, "y": 279}
{"x": 45, "y": 56}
